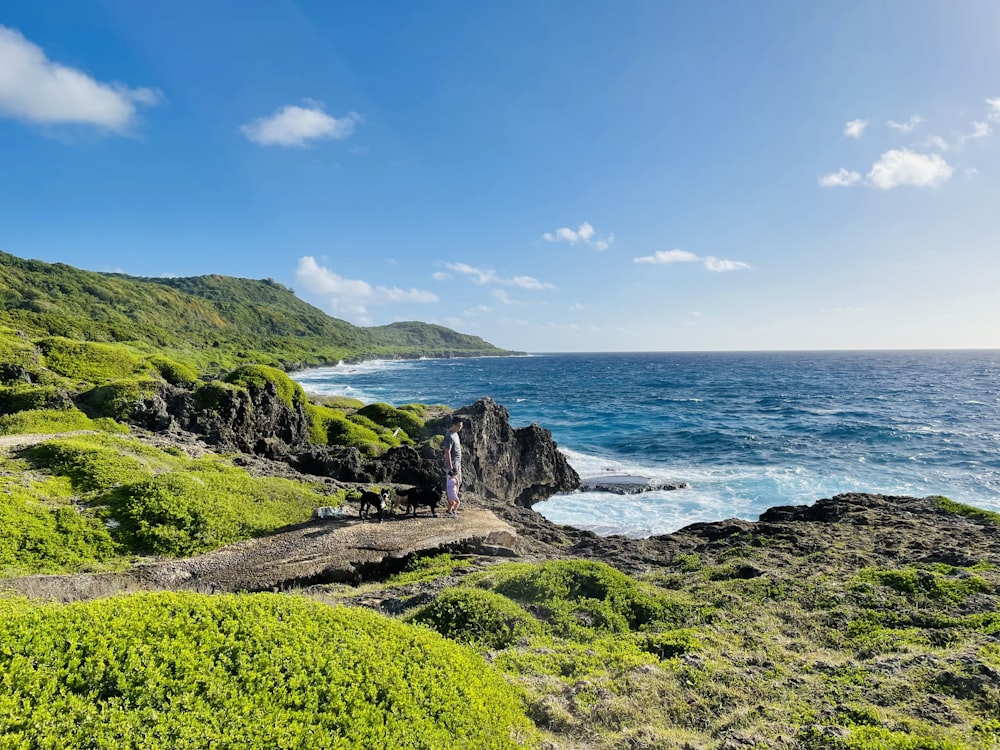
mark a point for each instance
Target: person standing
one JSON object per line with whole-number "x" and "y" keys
{"x": 451, "y": 492}
{"x": 453, "y": 452}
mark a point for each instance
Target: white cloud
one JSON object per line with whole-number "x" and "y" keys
{"x": 440, "y": 275}
{"x": 719, "y": 265}
{"x": 585, "y": 233}
{"x": 979, "y": 130}
{"x": 668, "y": 256}
{"x": 994, "y": 109}
{"x": 840, "y": 178}
{"x": 35, "y": 89}
{"x": 855, "y": 128}
{"x": 906, "y": 127}
{"x": 298, "y": 126}
{"x": 351, "y": 297}
{"x": 904, "y": 167}
{"x": 484, "y": 276}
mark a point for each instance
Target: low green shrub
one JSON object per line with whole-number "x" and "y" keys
{"x": 44, "y": 533}
{"x": 169, "y": 504}
{"x": 260, "y": 376}
{"x": 118, "y": 399}
{"x": 91, "y": 362}
{"x": 48, "y": 422}
{"x": 25, "y": 397}
{"x": 344, "y": 403}
{"x": 425, "y": 569}
{"x": 206, "y": 505}
{"x": 393, "y": 418}
{"x": 478, "y": 617}
{"x": 94, "y": 464}
{"x": 175, "y": 373}
{"x": 169, "y": 670}
{"x": 966, "y": 510}
{"x": 934, "y": 582}
{"x": 577, "y": 596}
{"x": 16, "y": 349}
{"x": 213, "y": 394}
{"x": 340, "y": 430}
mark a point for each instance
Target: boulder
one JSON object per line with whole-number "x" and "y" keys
{"x": 515, "y": 466}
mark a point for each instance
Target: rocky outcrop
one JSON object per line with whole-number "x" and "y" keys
{"x": 251, "y": 419}
{"x": 517, "y": 466}
{"x": 628, "y": 485}
{"x": 403, "y": 465}
{"x": 500, "y": 464}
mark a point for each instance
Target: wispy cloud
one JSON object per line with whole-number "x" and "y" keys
{"x": 585, "y": 234}
{"x": 906, "y": 127}
{"x": 840, "y": 178}
{"x": 979, "y": 130}
{"x": 487, "y": 276}
{"x": 38, "y": 90}
{"x": 667, "y": 257}
{"x": 299, "y": 126}
{"x": 994, "y": 109}
{"x": 352, "y": 297}
{"x": 855, "y": 128}
{"x": 900, "y": 167}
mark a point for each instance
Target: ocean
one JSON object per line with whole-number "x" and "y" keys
{"x": 746, "y": 431}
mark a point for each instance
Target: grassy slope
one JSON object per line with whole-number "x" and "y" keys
{"x": 210, "y": 322}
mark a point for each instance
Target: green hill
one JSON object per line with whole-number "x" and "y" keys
{"x": 211, "y": 322}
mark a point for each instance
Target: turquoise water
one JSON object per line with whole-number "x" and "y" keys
{"x": 747, "y": 431}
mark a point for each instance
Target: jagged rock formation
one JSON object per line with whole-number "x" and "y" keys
{"x": 517, "y": 466}
{"x": 501, "y": 464}
{"x": 252, "y": 419}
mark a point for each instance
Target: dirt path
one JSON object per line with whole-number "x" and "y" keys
{"x": 19, "y": 441}
{"x": 341, "y": 549}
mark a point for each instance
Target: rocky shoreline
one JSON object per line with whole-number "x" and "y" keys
{"x": 507, "y": 470}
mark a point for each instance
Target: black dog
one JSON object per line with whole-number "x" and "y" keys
{"x": 416, "y": 496}
{"x": 373, "y": 501}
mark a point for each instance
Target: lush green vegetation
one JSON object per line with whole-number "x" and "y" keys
{"x": 210, "y": 323}
{"x": 158, "y": 671}
{"x": 891, "y": 659}
{"x": 93, "y": 501}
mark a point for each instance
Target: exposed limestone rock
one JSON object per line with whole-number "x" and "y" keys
{"x": 517, "y": 466}
{"x": 341, "y": 549}
{"x": 250, "y": 420}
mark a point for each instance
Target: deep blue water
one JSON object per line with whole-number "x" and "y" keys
{"x": 747, "y": 431}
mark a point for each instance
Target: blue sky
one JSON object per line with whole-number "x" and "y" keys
{"x": 551, "y": 176}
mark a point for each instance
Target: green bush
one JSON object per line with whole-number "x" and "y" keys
{"x": 479, "y": 617}
{"x": 166, "y": 503}
{"x": 44, "y": 533}
{"x": 393, "y": 418}
{"x": 213, "y": 394}
{"x": 48, "y": 422}
{"x": 344, "y": 403}
{"x": 577, "y": 596}
{"x": 259, "y": 376}
{"x": 175, "y": 373}
{"x": 340, "y": 430}
{"x": 206, "y": 505}
{"x": 26, "y": 397}
{"x": 17, "y": 349}
{"x": 263, "y": 671}
{"x": 118, "y": 399}
{"x": 91, "y": 362}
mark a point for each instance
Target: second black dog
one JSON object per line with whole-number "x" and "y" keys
{"x": 373, "y": 501}
{"x": 417, "y": 496}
